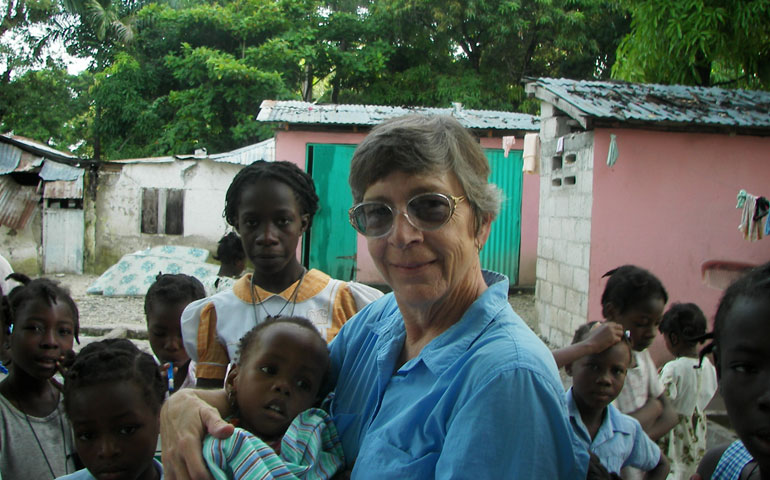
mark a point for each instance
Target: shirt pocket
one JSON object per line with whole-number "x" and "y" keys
{"x": 380, "y": 459}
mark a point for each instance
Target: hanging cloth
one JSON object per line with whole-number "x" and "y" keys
{"x": 508, "y": 143}
{"x": 751, "y": 217}
{"x": 612, "y": 153}
{"x": 531, "y": 153}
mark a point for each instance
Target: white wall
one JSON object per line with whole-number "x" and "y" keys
{"x": 119, "y": 200}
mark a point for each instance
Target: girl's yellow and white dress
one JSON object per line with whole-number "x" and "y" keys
{"x": 690, "y": 389}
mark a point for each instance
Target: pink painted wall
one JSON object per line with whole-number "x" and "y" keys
{"x": 668, "y": 205}
{"x": 291, "y": 145}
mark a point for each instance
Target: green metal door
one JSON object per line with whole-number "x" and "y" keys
{"x": 501, "y": 253}
{"x": 330, "y": 245}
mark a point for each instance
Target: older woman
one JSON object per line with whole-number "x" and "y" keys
{"x": 440, "y": 379}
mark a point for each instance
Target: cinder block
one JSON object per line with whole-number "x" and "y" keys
{"x": 558, "y": 296}
{"x": 580, "y": 280}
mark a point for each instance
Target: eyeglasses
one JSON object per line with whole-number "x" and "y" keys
{"x": 426, "y": 211}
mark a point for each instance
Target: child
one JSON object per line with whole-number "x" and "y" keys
{"x": 278, "y": 378}
{"x": 270, "y": 205}
{"x": 689, "y": 386}
{"x": 635, "y": 298}
{"x": 617, "y": 439}
{"x": 163, "y": 305}
{"x": 232, "y": 262}
{"x": 35, "y": 440}
{"x": 112, "y": 395}
{"x": 742, "y": 358}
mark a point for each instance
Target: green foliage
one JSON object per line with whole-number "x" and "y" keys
{"x": 193, "y": 72}
{"x": 697, "y": 42}
{"x": 44, "y": 106}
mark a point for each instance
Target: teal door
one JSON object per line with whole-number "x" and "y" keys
{"x": 501, "y": 253}
{"x": 330, "y": 245}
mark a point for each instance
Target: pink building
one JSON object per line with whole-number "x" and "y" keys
{"x": 321, "y": 139}
{"x": 646, "y": 175}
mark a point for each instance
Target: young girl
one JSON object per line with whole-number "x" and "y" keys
{"x": 112, "y": 394}
{"x": 278, "y": 378}
{"x": 232, "y": 262}
{"x": 689, "y": 386}
{"x": 742, "y": 358}
{"x": 35, "y": 438}
{"x": 163, "y": 305}
{"x": 270, "y": 205}
{"x": 616, "y": 439}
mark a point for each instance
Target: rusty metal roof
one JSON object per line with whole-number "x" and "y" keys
{"x": 667, "y": 105}
{"x": 294, "y": 112}
{"x": 17, "y": 203}
{"x": 63, "y": 189}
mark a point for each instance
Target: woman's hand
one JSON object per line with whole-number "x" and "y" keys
{"x": 184, "y": 420}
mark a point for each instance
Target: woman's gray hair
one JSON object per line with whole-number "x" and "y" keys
{"x": 420, "y": 144}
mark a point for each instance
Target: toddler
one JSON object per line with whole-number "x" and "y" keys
{"x": 690, "y": 385}
{"x": 163, "y": 305}
{"x": 278, "y": 378}
{"x": 112, "y": 395}
{"x": 742, "y": 358}
{"x": 35, "y": 440}
{"x": 616, "y": 439}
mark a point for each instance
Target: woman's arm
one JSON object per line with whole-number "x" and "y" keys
{"x": 479, "y": 442}
{"x": 184, "y": 420}
{"x": 599, "y": 339}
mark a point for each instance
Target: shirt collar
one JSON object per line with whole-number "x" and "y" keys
{"x": 444, "y": 350}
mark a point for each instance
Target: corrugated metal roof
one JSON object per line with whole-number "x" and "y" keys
{"x": 264, "y": 150}
{"x": 52, "y": 171}
{"x": 9, "y": 158}
{"x": 17, "y": 203}
{"x": 651, "y": 103}
{"x": 41, "y": 149}
{"x": 64, "y": 189}
{"x": 143, "y": 160}
{"x": 369, "y": 115}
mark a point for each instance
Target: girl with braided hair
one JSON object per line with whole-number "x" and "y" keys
{"x": 270, "y": 205}
{"x": 35, "y": 437}
{"x": 690, "y": 385}
{"x": 112, "y": 394}
{"x": 163, "y": 305}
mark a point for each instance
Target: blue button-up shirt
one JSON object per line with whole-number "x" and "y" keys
{"x": 481, "y": 400}
{"x": 620, "y": 441}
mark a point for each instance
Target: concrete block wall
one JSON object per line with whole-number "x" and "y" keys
{"x": 566, "y": 187}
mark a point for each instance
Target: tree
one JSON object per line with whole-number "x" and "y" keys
{"x": 697, "y": 42}
{"x": 45, "y": 105}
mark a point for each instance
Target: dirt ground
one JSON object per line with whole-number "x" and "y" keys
{"x": 99, "y": 314}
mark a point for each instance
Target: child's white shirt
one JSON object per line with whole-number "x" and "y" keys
{"x": 642, "y": 383}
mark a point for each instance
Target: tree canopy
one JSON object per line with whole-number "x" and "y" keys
{"x": 170, "y": 76}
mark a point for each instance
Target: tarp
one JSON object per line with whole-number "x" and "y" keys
{"x": 135, "y": 272}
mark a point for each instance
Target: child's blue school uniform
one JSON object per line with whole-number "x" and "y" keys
{"x": 620, "y": 441}
{"x": 84, "y": 474}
